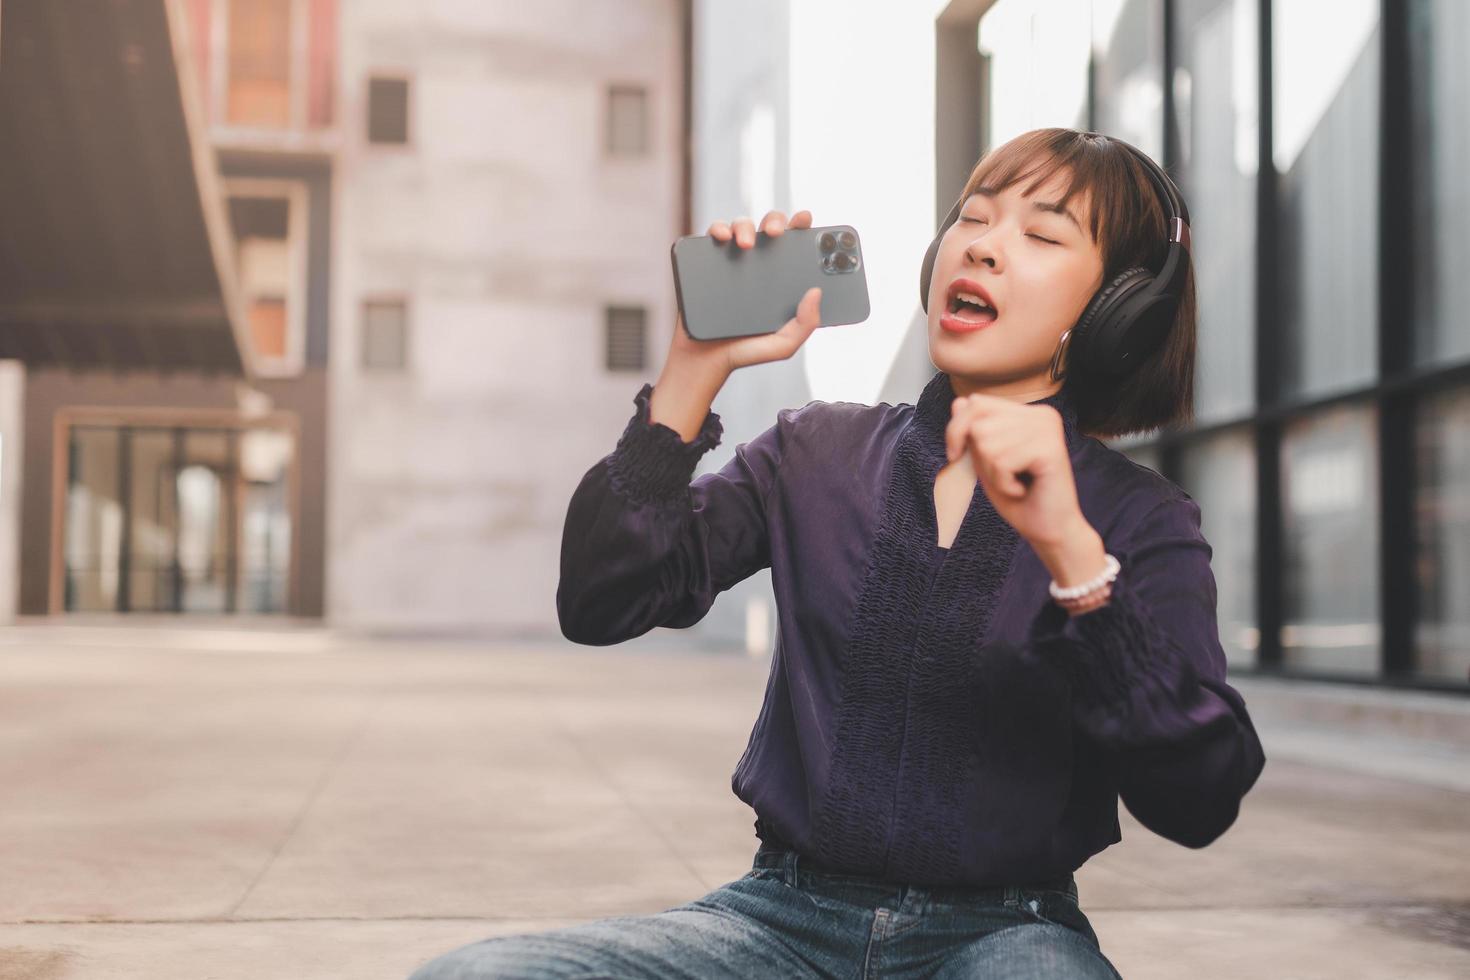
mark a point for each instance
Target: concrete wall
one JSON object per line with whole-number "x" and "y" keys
{"x": 508, "y": 230}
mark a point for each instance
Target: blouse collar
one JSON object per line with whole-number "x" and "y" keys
{"x": 932, "y": 413}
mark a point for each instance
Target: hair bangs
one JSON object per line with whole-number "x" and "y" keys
{"x": 1120, "y": 219}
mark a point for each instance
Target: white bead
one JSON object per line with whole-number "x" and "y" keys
{"x": 1109, "y": 574}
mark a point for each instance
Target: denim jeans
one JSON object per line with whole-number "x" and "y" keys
{"x": 786, "y": 920}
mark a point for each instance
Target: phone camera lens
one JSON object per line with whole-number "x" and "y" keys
{"x": 845, "y": 262}
{"x": 828, "y": 242}
{"x": 847, "y": 239}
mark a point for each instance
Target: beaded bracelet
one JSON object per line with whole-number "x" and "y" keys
{"x": 1088, "y": 595}
{"x": 1076, "y": 607}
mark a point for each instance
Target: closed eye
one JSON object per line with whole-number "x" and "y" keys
{"x": 977, "y": 221}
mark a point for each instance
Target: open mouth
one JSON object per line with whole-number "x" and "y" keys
{"x": 970, "y": 308}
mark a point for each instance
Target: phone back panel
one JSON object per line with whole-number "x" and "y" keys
{"x": 728, "y": 291}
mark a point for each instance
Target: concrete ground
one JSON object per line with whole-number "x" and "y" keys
{"x": 210, "y": 802}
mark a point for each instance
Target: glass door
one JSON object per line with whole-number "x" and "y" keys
{"x": 177, "y": 519}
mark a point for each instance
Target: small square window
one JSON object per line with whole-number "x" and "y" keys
{"x": 387, "y": 110}
{"x": 626, "y": 326}
{"x": 627, "y": 120}
{"x": 384, "y": 335}
{"x": 266, "y": 316}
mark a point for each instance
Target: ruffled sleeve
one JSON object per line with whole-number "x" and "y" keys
{"x": 642, "y": 546}
{"x": 1148, "y": 680}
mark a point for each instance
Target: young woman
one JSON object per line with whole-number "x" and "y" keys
{"x": 991, "y": 625}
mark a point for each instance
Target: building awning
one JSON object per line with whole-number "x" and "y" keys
{"x": 114, "y": 241}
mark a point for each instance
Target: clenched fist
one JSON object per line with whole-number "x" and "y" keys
{"x": 1021, "y": 459}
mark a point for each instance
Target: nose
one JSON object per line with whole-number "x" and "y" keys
{"x": 981, "y": 249}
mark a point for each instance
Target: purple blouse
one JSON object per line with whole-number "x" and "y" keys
{"x": 931, "y": 715}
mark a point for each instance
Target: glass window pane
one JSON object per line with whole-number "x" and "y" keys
{"x": 151, "y": 512}
{"x": 204, "y": 485}
{"x": 1037, "y": 51}
{"x": 388, "y": 110}
{"x": 1128, "y": 45}
{"x": 265, "y": 520}
{"x": 1215, "y": 96}
{"x": 1329, "y": 477}
{"x": 1221, "y": 476}
{"x": 1442, "y": 639}
{"x": 627, "y": 120}
{"x": 266, "y": 316}
{"x": 384, "y": 336}
{"x": 626, "y": 330}
{"x": 92, "y": 539}
{"x": 1325, "y": 105}
{"x": 260, "y": 63}
{"x": 1439, "y": 33}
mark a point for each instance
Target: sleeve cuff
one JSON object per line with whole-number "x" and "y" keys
{"x": 1127, "y": 674}
{"x": 651, "y": 463}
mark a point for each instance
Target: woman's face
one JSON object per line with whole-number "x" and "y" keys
{"x": 1035, "y": 267}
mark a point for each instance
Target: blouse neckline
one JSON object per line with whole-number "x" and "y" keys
{"x": 932, "y": 413}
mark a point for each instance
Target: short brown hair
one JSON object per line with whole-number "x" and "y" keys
{"x": 1126, "y": 210}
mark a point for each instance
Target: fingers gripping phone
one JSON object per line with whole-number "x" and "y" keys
{"x": 728, "y": 291}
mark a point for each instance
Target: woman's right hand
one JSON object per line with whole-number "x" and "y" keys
{"x": 730, "y": 353}
{"x": 696, "y": 370}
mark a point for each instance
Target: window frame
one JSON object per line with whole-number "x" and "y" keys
{"x": 609, "y": 308}
{"x": 610, "y": 90}
{"x": 405, "y": 367}
{"x": 409, "y": 123}
{"x": 298, "y": 79}
{"x": 298, "y": 239}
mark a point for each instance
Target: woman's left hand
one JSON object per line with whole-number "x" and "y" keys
{"x": 1007, "y": 441}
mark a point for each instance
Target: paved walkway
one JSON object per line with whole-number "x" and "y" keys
{"x": 217, "y": 803}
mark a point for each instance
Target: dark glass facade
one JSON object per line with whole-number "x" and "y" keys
{"x": 1322, "y": 149}
{"x": 1217, "y": 64}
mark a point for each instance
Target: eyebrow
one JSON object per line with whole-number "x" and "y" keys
{"x": 1055, "y": 207}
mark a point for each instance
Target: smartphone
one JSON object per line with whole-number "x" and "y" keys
{"x": 728, "y": 291}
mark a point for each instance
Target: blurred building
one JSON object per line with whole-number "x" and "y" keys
{"x": 511, "y": 178}
{"x": 324, "y": 308}
{"x": 159, "y": 445}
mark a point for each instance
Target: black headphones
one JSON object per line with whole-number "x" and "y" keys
{"x": 1127, "y": 318}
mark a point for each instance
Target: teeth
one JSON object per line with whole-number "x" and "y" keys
{"x": 975, "y": 300}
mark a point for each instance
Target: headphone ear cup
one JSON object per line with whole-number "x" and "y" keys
{"x": 1086, "y": 339}
{"x": 927, "y": 271}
